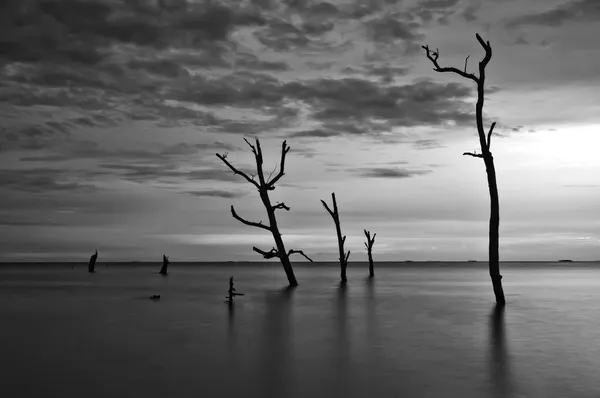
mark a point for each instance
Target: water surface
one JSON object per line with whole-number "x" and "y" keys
{"x": 416, "y": 330}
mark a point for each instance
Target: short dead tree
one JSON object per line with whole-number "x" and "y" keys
{"x": 369, "y": 247}
{"x": 264, "y": 185}
{"x": 336, "y": 219}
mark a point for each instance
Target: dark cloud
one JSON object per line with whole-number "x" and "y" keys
{"x": 216, "y": 193}
{"x": 381, "y": 172}
{"x": 31, "y": 137}
{"x": 167, "y": 173}
{"x": 572, "y": 11}
{"x": 184, "y": 148}
{"x": 314, "y": 133}
{"x": 83, "y": 31}
{"x": 72, "y": 150}
{"x": 385, "y": 71}
{"x": 427, "y": 144}
{"x": 470, "y": 12}
{"x": 40, "y": 180}
{"x": 353, "y": 104}
{"x": 390, "y": 27}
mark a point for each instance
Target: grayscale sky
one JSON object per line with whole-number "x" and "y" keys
{"x": 111, "y": 112}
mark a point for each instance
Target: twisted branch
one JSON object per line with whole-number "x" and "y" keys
{"x": 281, "y": 206}
{"x": 270, "y": 254}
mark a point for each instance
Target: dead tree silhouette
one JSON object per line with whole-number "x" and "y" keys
{"x": 165, "y": 265}
{"x": 369, "y": 247}
{"x": 264, "y": 185}
{"x": 92, "y": 263}
{"x": 485, "y": 154}
{"x": 336, "y": 219}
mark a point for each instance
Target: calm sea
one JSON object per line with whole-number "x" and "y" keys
{"x": 415, "y": 330}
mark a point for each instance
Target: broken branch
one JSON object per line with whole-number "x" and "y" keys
{"x": 301, "y": 253}
{"x": 284, "y": 150}
{"x": 281, "y": 206}
{"x": 270, "y": 254}
{"x": 475, "y": 155}
{"x": 489, "y": 136}
{"x": 328, "y": 209}
{"x": 250, "y": 223}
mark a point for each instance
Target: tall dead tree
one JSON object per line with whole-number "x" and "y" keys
{"x": 369, "y": 247}
{"x": 336, "y": 219}
{"x": 264, "y": 185}
{"x": 486, "y": 155}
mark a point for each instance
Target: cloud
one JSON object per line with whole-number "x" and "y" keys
{"x": 427, "y": 144}
{"x": 572, "y": 11}
{"x": 40, "y": 180}
{"x": 381, "y": 172}
{"x": 216, "y": 193}
{"x": 142, "y": 173}
{"x": 359, "y": 106}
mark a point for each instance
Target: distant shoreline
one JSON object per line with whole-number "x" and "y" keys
{"x": 299, "y": 263}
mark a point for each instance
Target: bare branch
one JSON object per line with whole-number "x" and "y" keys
{"x": 347, "y": 255}
{"x": 475, "y": 155}
{"x": 236, "y": 171}
{"x": 284, "y": 150}
{"x": 281, "y": 206}
{"x": 433, "y": 57}
{"x": 252, "y": 147}
{"x": 301, "y": 253}
{"x": 271, "y": 173}
{"x": 489, "y": 136}
{"x": 488, "y": 51}
{"x": 327, "y": 208}
{"x": 270, "y": 254}
{"x": 250, "y": 223}
{"x": 466, "y": 60}
{"x": 366, "y": 246}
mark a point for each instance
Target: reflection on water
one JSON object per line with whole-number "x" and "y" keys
{"x": 342, "y": 353}
{"x": 499, "y": 360}
{"x": 409, "y": 332}
{"x": 276, "y": 355}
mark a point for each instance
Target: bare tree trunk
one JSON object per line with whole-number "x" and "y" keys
{"x": 264, "y": 185}
{"x": 336, "y": 219}
{"x": 369, "y": 247}
{"x": 283, "y": 254}
{"x": 486, "y": 155}
{"x": 494, "y": 257}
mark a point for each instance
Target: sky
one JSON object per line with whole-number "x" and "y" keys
{"x": 112, "y": 112}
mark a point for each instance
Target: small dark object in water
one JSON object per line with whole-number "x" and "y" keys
{"x": 92, "y": 263}
{"x": 155, "y": 297}
{"x": 166, "y": 262}
{"x": 565, "y": 261}
{"x": 231, "y": 292}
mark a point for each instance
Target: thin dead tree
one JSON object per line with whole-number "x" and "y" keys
{"x": 369, "y": 247}
{"x": 341, "y": 239}
{"x": 264, "y": 185}
{"x": 486, "y": 155}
